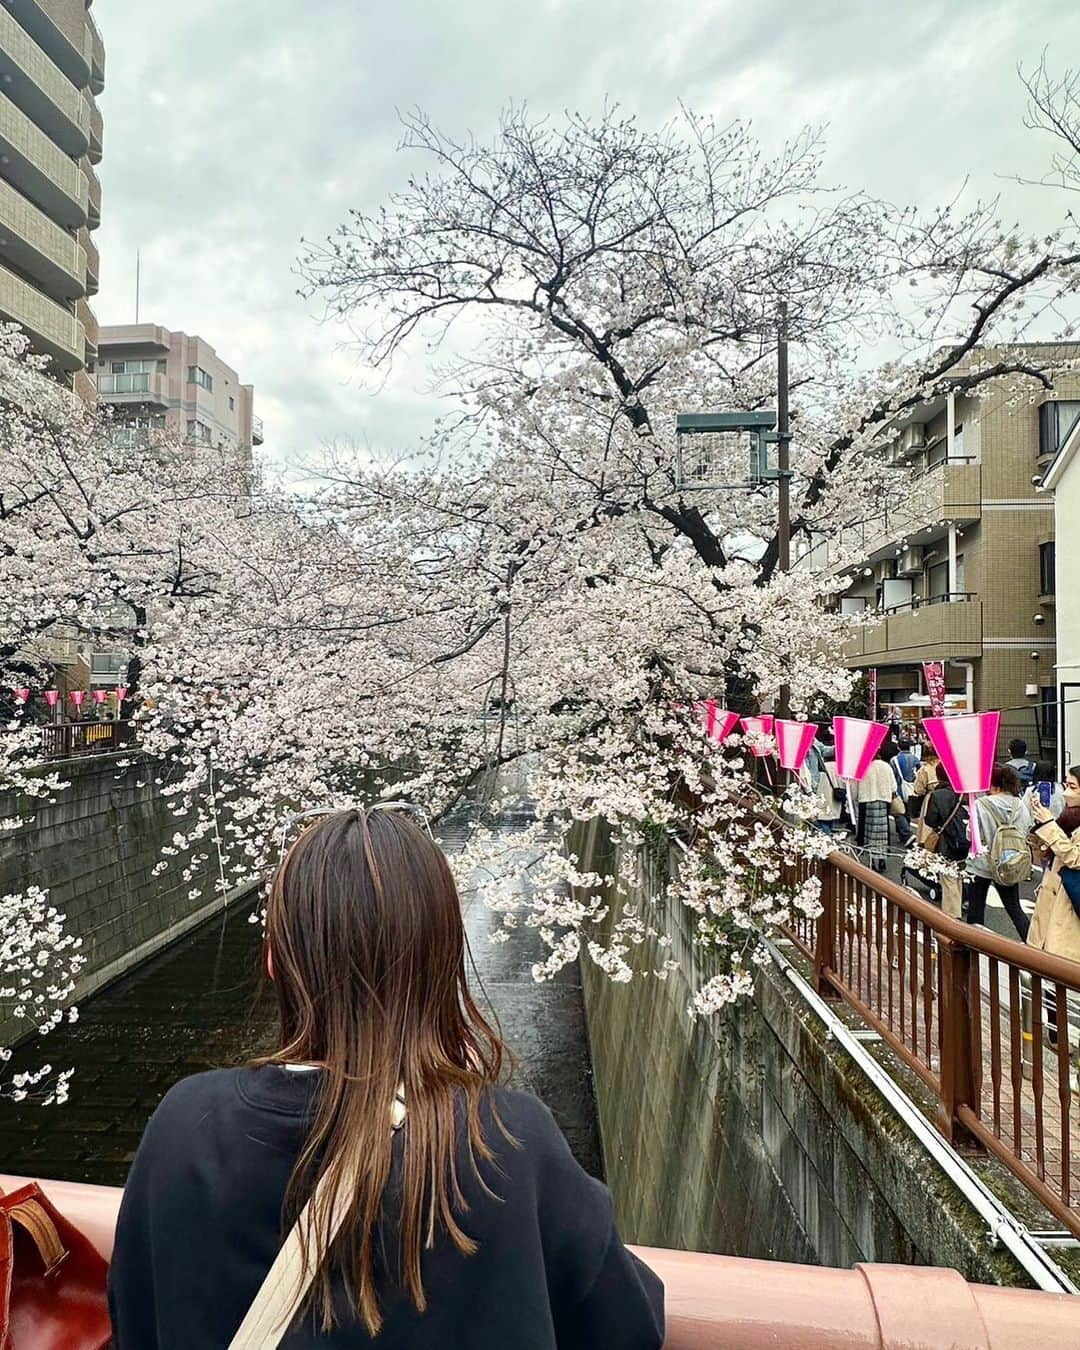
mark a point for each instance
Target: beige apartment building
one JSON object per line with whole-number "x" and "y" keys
{"x": 52, "y": 64}
{"x": 964, "y": 570}
{"x": 158, "y": 379}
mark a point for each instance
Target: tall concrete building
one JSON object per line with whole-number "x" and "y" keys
{"x": 52, "y": 64}
{"x": 157, "y": 379}
{"x": 963, "y": 571}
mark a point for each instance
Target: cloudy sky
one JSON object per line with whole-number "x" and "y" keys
{"x": 234, "y": 127}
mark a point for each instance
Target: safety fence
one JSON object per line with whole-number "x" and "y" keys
{"x": 981, "y": 1019}
{"x": 70, "y": 740}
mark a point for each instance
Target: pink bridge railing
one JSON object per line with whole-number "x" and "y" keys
{"x": 723, "y": 1302}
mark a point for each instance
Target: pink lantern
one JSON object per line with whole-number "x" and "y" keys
{"x": 77, "y": 696}
{"x": 793, "y": 742}
{"x": 21, "y": 695}
{"x": 757, "y": 728}
{"x": 966, "y": 744}
{"x": 857, "y": 742}
{"x": 121, "y": 693}
{"x": 718, "y": 722}
{"x": 99, "y": 696}
{"x": 52, "y": 697}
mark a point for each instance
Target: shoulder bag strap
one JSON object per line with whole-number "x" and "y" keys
{"x": 287, "y": 1282}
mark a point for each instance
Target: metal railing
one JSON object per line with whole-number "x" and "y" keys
{"x": 71, "y": 740}
{"x": 922, "y": 601}
{"x": 964, "y": 1009}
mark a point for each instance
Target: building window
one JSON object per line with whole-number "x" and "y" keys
{"x": 198, "y": 431}
{"x": 1056, "y": 423}
{"x": 958, "y": 442}
{"x": 138, "y": 367}
{"x": 196, "y": 375}
{"x": 937, "y": 453}
{"x": 937, "y": 579}
{"x": 1046, "y": 568}
{"x": 232, "y": 403}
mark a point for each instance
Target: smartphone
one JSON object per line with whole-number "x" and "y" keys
{"x": 1045, "y": 792}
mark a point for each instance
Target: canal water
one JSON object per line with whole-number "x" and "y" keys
{"x": 197, "y": 1006}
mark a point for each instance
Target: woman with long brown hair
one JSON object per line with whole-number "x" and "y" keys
{"x": 370, "y": 1182}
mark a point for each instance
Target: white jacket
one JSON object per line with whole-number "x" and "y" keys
{"x": 879, "y": 785}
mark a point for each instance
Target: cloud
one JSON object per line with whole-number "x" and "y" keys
{"x": 231, "y": 130}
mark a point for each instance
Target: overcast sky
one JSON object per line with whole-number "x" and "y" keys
{"x": 234, "y": 127}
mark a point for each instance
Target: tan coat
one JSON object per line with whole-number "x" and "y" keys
{"x": 1055, "y": 927}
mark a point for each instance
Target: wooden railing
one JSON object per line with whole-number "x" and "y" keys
{"x": 964, "y": 1009}
{"x": 71, "y": 740}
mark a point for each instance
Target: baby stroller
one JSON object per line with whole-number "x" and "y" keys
{"x": 928, "y": 887}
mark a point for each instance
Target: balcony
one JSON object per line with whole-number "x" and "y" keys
{"x": 97, "y": 55}
{"x": 97, "y": 132}
{"x": 141, "y": 388}
{"x": 88, "y": 319}
{"x": 93, "y": 198}
{"x": 256, "y": 430}
{"x": 52, "y": 329}
{"x": 42, "y": 89}
{"x": 93, "y": 261}
{"x": 69, "y": 46}
{"x": 942, "y": 628}
{"x": 948, "y": 491}
{"x": 39, "y": 169}
{"x": 37, "y": 248}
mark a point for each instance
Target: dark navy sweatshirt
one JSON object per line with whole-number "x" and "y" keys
{"x": 200, "y": 1225}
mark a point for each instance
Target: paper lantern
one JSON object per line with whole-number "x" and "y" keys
{"x": 52, "y": 697}
{"x": 966, "y": 744}
{"x": 21, "y": 695}
{"x": 99, "y": 696}
{"x": 793, "y": 742}
{"x": 77, "y": 696}
{"x": 857, "y": 742}
{"x": 757, "y": 728}
{"x": 121, "y": 693}
{"x": 718, "y": 722}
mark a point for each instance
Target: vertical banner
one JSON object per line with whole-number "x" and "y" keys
{"x": 871, "y": 683}
{"x": 934, "y": 678}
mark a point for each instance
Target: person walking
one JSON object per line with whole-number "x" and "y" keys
{"x": 828, "y": 789}
{"x": 1003, "y": 857}
{"x": 925, "y": 783}
{"x": 876, "y": 791}
{"x": 1055, "y": 925}
{"x": 904, "y": 765}
{"x": 1018, "y": 761}
{"x": 945, "y": 814}
{"x": 373, "y": 1157}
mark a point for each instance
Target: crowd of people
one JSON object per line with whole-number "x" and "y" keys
{"x": 1026, "y": 823}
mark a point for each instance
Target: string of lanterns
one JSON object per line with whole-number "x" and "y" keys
{"x": 77, "y": 696}
{"x": 965, "y": 743}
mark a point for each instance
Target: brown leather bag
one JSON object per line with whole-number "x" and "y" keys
{"x": 52, "y": 1279}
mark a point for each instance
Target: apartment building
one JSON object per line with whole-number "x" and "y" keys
{"x": 963, "y": 571}
{"x": 158, "y": 379}
{"x": 1062, "y": 479}
{"x": 52, "y": 65}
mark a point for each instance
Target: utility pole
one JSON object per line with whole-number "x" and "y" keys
{"x": 783, "y": 464}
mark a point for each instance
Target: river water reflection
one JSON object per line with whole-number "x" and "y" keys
{"x": 196, "y": 1007}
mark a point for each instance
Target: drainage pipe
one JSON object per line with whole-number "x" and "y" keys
{"x": 1002, "y": 1225}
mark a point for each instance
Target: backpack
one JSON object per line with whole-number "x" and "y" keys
{"x": 1026, "y": 772}
{"x": 1009, "y": 857}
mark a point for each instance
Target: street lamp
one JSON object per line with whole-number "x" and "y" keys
{"x": 699, "y": 465}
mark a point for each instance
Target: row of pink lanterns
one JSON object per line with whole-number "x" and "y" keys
{"x": 77, "y": 696}
{"x": 965, "y": 743}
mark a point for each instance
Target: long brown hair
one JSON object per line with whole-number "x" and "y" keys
{"x": 367, "y": 948}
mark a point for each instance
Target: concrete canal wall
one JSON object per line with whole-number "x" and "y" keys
{"x": 749, "y": 1133}
{"x": 94, "y": 849}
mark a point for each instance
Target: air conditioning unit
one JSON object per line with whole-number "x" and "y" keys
{"x": 910, "y": 562}
{"x": 913, "y": 438}
{"x": 885, "y": 571}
